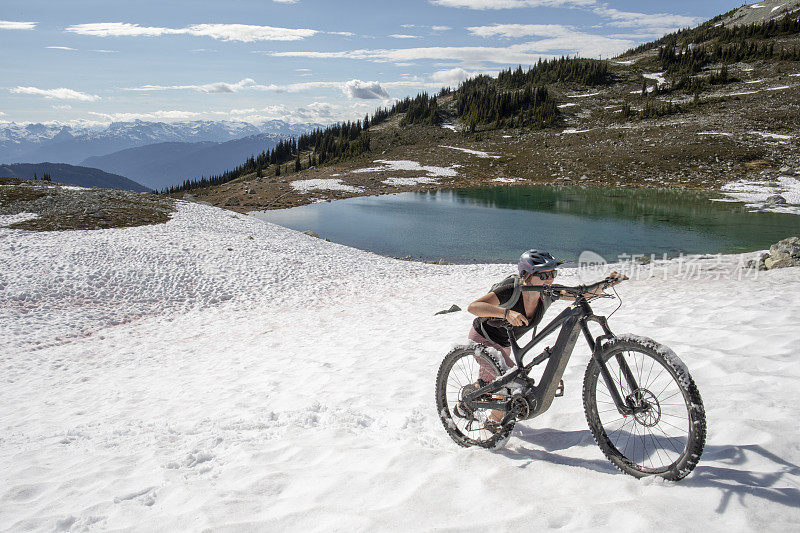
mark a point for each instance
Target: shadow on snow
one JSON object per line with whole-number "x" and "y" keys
{"x": 732, "y": 480}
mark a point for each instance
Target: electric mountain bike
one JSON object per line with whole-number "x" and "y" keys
{"x": 640, "y": 401}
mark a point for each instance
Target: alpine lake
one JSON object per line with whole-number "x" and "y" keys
{"x": 495, "y": 224}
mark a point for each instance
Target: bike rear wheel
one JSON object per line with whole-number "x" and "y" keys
{"x": 666, "y": 433}
{"x": 459, "y": 372}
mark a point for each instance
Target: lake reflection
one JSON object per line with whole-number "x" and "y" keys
{"x": 494, "y": 224}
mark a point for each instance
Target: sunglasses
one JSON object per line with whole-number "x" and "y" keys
{"x": 544, "y": 275}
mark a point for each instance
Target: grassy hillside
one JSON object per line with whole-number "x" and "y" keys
{"x": 694, "y": 109}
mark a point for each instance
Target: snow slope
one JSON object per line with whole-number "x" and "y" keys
{"x": 185, "y": 376}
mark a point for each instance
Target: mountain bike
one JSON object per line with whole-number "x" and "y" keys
{"x": 640, "y": 401}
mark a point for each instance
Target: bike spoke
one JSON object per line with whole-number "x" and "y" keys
{"x": 650, "y": 373}
{"x": 650, "y": 438}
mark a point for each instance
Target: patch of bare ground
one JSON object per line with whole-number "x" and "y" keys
{"x": 69, "y": 208}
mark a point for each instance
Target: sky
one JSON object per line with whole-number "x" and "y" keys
{"x": 100, "y": 61}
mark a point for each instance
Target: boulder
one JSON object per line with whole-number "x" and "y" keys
{"x": 310, "y": 233}
{"x": 232, "y": 201}
{"x": 789, "y": 246}
{"x": 453, "y": 308}
{"x": 775, "y": 199}
{"x": 251, "y": 191}
{"x": 779, "y": 260}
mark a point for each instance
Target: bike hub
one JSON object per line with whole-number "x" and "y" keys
{"x": 646, "y": 409}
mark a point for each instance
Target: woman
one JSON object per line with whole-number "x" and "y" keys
{"x": 535, "y": 269}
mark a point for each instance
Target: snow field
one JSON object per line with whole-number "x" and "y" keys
{"x": 430, "y": 170}
{"x": 399, "y": 182}
{"x": 478, "y": 153}
{"x": 326, "y": 184}
{"x": 755, "y": 193}
{"x": 587, "y": 95}
{"x": 304, "y": 400}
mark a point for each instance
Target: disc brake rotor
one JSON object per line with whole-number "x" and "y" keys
{"x": 647, "y": 410}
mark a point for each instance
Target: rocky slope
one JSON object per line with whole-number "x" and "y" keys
{"x": 745, "y": 129}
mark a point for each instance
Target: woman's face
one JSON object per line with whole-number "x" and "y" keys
{"x": 535, "y": 279}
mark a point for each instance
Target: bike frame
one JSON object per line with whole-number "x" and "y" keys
{"x": 573, "y": 320}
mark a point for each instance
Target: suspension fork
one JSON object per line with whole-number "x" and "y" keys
{"x": 624, "y": 406}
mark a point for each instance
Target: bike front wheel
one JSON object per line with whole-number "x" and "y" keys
{"x": 665, "y": 434}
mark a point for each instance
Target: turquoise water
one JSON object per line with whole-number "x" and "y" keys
{"x": 493, "y": 224}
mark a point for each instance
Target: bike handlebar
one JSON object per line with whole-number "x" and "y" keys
{"x": 579, "y": 290}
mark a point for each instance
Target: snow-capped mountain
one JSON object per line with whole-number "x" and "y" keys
{"x": 74, "y": 143}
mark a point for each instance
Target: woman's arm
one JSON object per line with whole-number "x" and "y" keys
{"x": 489, "y": 306}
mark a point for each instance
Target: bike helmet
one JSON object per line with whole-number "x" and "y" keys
{"x": 536, "y": 261}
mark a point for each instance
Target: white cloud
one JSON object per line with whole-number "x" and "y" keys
{"x": 666, "y": 21}
{"x": 63, "y": 107}
{"x": 452, "y": 77}
{"x": 61, "y": 48}
{"x": 286, "y": 1}
{"x": 60, "y": 94}
{"x": 313, "y": 112}
{"x": 558, "y": 38}
{"x": 404, "y": 36}
{"x": 316, "y": 111}
{"x": 583, "y": 44}
{"x": 521, "y": 30}
{"x": 11, "y": 25}
{"x": 365, "y": 90}
{"x": 222, "y": 87}
{"x": 248, "y": 34}
{"x": 224, "y": 32}
{"x": 105, "y": 51}
{"x": 434, "y": 28}
{"x": 511, "y": 4}
{"x": 467, "y": 53}
{"x": 219, "y": 87}
{"x": 153, "y": 115}
{"x": 353, "y": 88}
{"x": 118, "y": 29}
{"x": 658, "y": 20}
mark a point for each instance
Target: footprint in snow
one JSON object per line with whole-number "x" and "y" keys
{"x": 146, "y": 497}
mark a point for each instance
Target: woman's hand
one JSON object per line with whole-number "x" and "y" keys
{"x": 616, "y": 278}
{"x": 516, "y": 319}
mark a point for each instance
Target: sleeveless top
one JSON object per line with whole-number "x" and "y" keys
{"x": 498, "y": 334}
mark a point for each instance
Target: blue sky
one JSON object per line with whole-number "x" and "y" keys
{"x": 304, "y": 60}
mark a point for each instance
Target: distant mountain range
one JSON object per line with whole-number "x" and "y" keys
{"x": 73, "y": 144}
{"x": 166, "y": 164}
{"x": 71, "y": 175}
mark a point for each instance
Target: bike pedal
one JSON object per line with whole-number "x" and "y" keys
{"x": 560, "y": 389}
